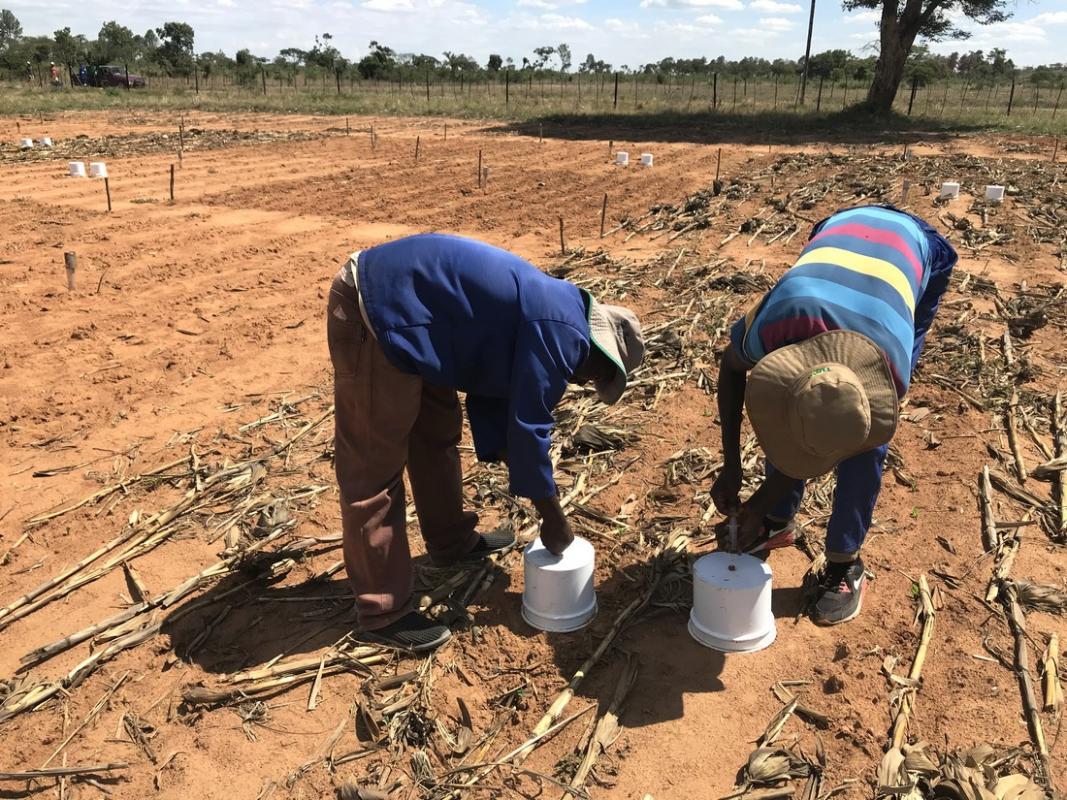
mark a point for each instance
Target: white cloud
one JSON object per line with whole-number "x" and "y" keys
{"x": 753, "y": 35}
{"x": 861, "y": 17}
{"x": 708, "y": 19}
{"x": 389, "y": 5}
{"x": 624, "y": 27}
{"x": 548, "y": 5}
{"x": 559, "y": 22}
{"x": 733, "y": 5}
{"x": 1050, "y": 18}
{"x": 776, "y": 23}
{"x": 774, "y": 7}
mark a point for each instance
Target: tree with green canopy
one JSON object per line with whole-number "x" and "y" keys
{"x": 902, "y": 21}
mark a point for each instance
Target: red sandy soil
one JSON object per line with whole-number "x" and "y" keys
{"x": 184, "y": 311}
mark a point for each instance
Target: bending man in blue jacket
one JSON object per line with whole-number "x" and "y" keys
{"x": 411, "y": 322}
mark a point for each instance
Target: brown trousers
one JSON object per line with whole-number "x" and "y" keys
{"x": 386, "y": 420}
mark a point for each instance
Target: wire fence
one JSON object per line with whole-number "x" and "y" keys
{"x": 526, "y": 94}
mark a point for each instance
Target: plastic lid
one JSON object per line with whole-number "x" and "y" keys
{"x": 578, "y": 556}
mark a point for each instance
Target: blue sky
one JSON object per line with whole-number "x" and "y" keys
{"x": 631, "y": 32}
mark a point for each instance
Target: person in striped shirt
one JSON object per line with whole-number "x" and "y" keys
{"x": 820, "y": 365}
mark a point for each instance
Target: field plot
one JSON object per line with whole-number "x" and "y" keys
{"x": 175, "y": 621}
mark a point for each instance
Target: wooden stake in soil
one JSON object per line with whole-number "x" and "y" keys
{"x": 348, "y": 130}
{"x": 418, "y": 141}
{"x": 1055, "y": 151}
{"x": 479, "y": 168}
{"x": 70, "y": 260}
{"x": 540, "y": 133}
{"x": 171, "y": 183}
{"x": 562, "y": 244}
{"x": 718, "y": 163}
{"x": 603, "y": 214}
{"x": 107, "y": 191}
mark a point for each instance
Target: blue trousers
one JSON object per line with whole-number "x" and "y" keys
{"x": 859, "y": 479}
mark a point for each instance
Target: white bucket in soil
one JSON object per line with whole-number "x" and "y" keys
{"x": 732, "y": 603}
{"x": 950, "y": 190}
{"x": 622, "y": 158}
{"x": 46, "y": 141}
{"x": 646, "y": 159}
{"x": 994, "y": 193}
{"x": 559, "y": 596}
{"x": 97, "y": 169}
{"x": 77, "y": 169}
{"x": 26, "y": 144}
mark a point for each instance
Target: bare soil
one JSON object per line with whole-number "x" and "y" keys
{"x": 193, "y": 319}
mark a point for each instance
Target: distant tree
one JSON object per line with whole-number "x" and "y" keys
{"x": 999, "y": 62}
{"x": 971, "y": 63}
{"x": 175, "y": 51}
{"x": 457, "y": 63}
{"x": 781, "y": 66}
{"x": 115, "y": 44}
{"x": 378, "y": 62}
{"x": 494, "y": 63}
{"x": 829, "y": 64}
{"x": 543, "y": 54}
{"x": 68, "y": 48}
{"x": 589, "y": 64}
{"x": 563, "y": 51}
{"x": 10, "y": 30}
{"x": 147, "y": 46}
{"x": 904, "y": 20}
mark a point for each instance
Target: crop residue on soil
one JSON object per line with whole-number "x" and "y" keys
{"x": 175, "y": 618}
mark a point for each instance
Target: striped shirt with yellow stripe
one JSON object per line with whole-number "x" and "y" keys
{"x": 863, "y": 270}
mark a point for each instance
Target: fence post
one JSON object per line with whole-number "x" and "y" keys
{"x": 127, "y": 68}
{"x": 1058, "y": 96}
{"x": 196, "y": 77}
{"x": 914, "y": 89}
{"x": 1011, "y": 97}
{"x": 776, "y": 91}
{"x": 337, "y": 75}
{"x": 714, "y": 90}
{"x": 507, "y": 86}
{"x": 818, "y": 98}
{"x": 263, "y": 75}
{"x": 616, "y": 103}
{"x": 427, "y": 84}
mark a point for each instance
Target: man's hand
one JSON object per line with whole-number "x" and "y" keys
{"x": 749, "y": 527}
{"x": 725, "y": 490}
{"x": 556, "y": 533}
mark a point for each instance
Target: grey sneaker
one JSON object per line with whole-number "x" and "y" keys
{"x": 413, "y": 632}
{"x": 840, "y": 593}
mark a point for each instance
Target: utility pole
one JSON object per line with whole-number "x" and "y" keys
{"x": 807, "y": 53}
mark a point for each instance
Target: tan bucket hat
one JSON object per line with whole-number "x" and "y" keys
{"x": 616, "y": 332}
{"x": 818, "y": 402}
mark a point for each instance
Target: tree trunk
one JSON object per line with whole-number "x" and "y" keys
{"x": 897, "y": 37}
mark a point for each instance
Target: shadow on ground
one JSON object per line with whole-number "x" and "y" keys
{"x": 768, "y": 127}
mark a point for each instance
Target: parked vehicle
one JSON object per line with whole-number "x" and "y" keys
{"x": 107, "y": 76}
